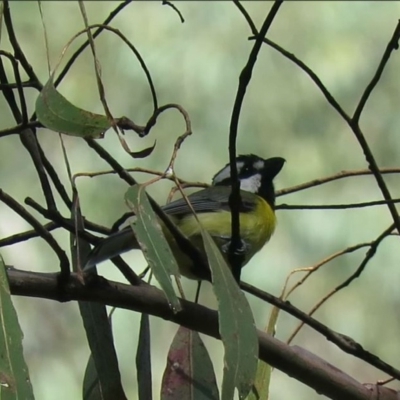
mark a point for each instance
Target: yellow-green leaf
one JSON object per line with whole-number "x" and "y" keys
{"x": 55, "y": 112}
{"x": 14, "y": 376}
{"x": 102, "y": 380}
{"x": 236, "y": 325}
{"x": 153, "y": 243}
{"x": 260, "y": 389}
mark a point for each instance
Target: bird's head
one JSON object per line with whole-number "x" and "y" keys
{"x": 255, "y": 174}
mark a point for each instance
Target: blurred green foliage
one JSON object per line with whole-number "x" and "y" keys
{"x": 197, "y": 64}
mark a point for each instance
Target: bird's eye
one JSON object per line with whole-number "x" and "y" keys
{"x": 246, "y": 169}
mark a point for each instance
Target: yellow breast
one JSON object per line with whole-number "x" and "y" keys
{"x": 256, "y": 228}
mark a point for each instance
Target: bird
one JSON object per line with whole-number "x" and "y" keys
{"x": 256, "y": 212}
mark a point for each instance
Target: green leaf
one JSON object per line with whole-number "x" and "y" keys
{"x": 260, "y": 389}
{"x": 143, "y": 360}
{"x": 91, "y": 389}
{"x": 55, "y": 112}
{"x": 98, "y": 331}
{"x": 14, "y": 376}
{"x": 189, "y": 373}
{"x": 236, "y": 325}
{"x": 143, "y": 153}
{"x": 153, "y": 243}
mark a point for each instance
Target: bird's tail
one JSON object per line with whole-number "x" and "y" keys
{"x": 112, "y": 246}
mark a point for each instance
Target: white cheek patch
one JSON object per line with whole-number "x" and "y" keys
{"x": 226, "y": 173}
{"x": 251, "y": 184}
{"x": 259, "y": 165}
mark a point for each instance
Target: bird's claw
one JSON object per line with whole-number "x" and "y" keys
{"x": 239, "y": 251}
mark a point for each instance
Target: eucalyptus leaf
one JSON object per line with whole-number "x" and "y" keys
{"x": 55, "y": 112}
{"x": 260, "y": 389}
{"x": 189, "y": 373}
{"x": 103, "y": 361}
{"x": 154, "y": 245}
{"x": 14, "y": 376}
{"x": 236, "y": 325}
{"x": 143, "y": 360}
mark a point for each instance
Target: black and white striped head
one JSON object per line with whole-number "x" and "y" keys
{"x": 255, "y": 174}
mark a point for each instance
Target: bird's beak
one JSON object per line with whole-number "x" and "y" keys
{"x": 274, "y": 165}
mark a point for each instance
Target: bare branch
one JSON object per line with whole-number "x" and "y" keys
{"x": 235, "y": 200}
{"x": 345, "y": 343}
{"x": 293, "y": 360}
{"x": 173, "y": 6}
{"x": 334, "y": 206}
{"x": 15, "y": 206}
{"x": 370, "y": 253}
{"x": 331, "y": 178}
{"x": 392, "y": 45}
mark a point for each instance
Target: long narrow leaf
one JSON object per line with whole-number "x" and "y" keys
{"x": 236, "y": 325}
{"x": 189, "y": 374}
{"x": 260, "y": 389}
{"x": 14, "y": 376}
{"x": 143, "y": 360}
{"x": 153, "y": 243}
{"x": 98, "y": 331}
{"x": 91, "y": 389}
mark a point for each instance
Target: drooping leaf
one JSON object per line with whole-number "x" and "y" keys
{"x": 55, "y": 112}
{"x": 236, "y": 325}
{"x": 189, "y": 373}
{"x": 260, "y": 389}
{"x": 98, "y": 332}
{"x": 91, "y": 389}
{"x": 14, "y": 376}
{"x": 153, "y": 243}
{"x": 143, "y": 153}
{"x": 143, "y": 360}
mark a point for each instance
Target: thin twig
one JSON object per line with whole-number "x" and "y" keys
{"x": 18, "y": 128}
{"x": 331, "y": 178}
{"x": 236, "y": 260}
{"x": 354, "y": 125}
{"x": 370, "y": 253}
{"x": 310, "y": 270}
{"x": 19, "y": 54}
{"x": 28, "y": 140}
{"x": 45, "y": 234}
{"x": 55, "y": 178}
{"x": 173, "y": 6}
{"x": 25, "y": 84}
{"x": 345, "y": 343}
{"x": 246, "y": 17}
{"x": 30, "y": 234}
{"x": 56, "y": 217}
{"x": 334, "y": 206}
{"x": 22, "y": 114}
{"x": 331, "y": 100}
{"x": 391, "y": 46}
{"x": 184, "y": 244}
{"x": 353, "y": 122}
{"x": 96, "y": 33}
{"x": 24, "y": 236}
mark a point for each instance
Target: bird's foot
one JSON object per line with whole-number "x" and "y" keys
{"x": 241, "y": 251}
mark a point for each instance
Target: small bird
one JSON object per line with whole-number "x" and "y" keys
{"x": 257, "y": 216}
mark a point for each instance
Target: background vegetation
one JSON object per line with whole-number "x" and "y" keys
{"x": 197, "y": 64}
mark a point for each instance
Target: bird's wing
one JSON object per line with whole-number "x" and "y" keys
{"x": 208, "y": 200}
{"x": 211, "y": 199}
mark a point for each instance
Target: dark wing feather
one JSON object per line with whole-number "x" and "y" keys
{"x": 208, "y": 200}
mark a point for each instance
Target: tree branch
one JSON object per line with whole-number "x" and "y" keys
{"x": 293, "y": 360}
{"x": 235, "y": 200}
